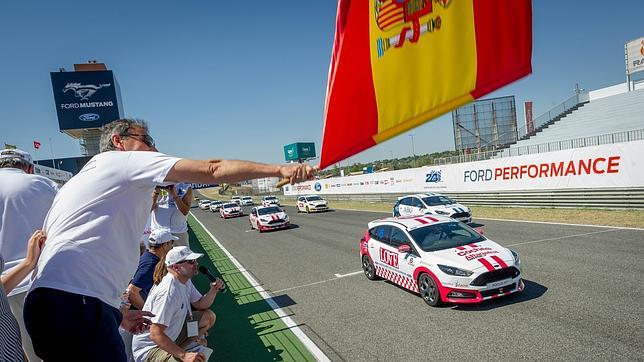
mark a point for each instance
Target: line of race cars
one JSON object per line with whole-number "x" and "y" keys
{"x": 428, "y": 246}
{"x": 268, "y": 216}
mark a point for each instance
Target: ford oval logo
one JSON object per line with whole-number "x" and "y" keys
{"x": 318, "y": 187}
{"x": 87, "y": 117}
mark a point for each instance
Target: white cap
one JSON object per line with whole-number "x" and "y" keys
{"x": 160, "y": 236}
{"x": 179, "y": 254}
{"x": 15, "y": 153}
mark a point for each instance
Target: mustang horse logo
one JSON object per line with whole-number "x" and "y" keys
{"x": 84, "y": 92}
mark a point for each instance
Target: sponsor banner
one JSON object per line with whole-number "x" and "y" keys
{"x": 85, "y": 99}
{"x": 616, "y": 165}
{"x": 52, "y": 173}
{"x": 203, "y": 186}
{"x": 635, "y": 56}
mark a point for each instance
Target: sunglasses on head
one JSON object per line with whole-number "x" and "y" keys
{"x": 145, "y": 138}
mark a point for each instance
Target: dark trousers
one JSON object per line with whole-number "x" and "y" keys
{"x": 65, "y": 326}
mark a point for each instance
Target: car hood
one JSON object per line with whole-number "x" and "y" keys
{"x": 316, "y": 203}
{"x": 274, "y": 216}
{"x": 466, "y": 257}
{"x": 451, "y": 208}
{"x": 231, "y": 208}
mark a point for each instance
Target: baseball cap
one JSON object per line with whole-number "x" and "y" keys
{"x": 179, "y": 254}
{"x": 15, "y": 153}
{"x": 160, "y": 236}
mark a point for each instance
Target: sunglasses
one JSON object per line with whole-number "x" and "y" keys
{"x": 188, "y": 262}
{"x": 146, "y": 138}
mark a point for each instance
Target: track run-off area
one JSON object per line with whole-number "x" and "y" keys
{"x": 583, "y": 297}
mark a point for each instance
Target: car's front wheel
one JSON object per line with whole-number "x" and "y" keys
{"x": 429, "y": 290}
{"x": 368, "y": 268}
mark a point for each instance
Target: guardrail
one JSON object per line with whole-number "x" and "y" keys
{"x": 610, "y": 138}
{"x": 607, "y": 198}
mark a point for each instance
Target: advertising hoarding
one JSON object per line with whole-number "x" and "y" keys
{"x": 635, "y": 56}
{"x": 614, "y": 165}
{"x": 85, "y": 99}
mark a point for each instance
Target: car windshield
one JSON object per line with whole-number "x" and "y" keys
{"x": 230, "y": 205}
{"x": 438, "y": 200}
{"x": 444, "y": 236}
{"x": 247, "y": 198}
{"x": 313, "y": 198}
{"x": 268, "y": 210}
{"x": 269, "y": 198}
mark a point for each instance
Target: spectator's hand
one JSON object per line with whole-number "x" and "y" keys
{"x": 172, "y": 191}
{"x": 218, "y": 285}
{"x": 134, "y": 321}
{"x": 193, "y": 357}
{"x": 297, "y": 172}
{"x": 34, "y": 246}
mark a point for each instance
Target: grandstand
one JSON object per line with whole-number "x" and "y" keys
{"x": 616, "y": 118}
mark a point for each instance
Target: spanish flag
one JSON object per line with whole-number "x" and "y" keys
{"x": 397, "y": 64}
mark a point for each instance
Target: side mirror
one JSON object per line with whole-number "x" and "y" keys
{"x": 480, "y": 230}
{"x": 404, "y": 248}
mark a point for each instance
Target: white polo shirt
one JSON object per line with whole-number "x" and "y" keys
{"x": 25, "y": 200}
{"x": 95, "y": 224}
{"x": 169, "y": 302}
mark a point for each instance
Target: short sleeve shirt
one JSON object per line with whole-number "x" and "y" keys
{"x": 25, "y": 200}
{"x": 169, "y": 303}
{"x": 95, "y": 224}
{"x": 144, "y": 276}
{"x": 166, "y": 214}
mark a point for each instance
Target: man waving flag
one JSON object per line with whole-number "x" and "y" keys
{"x": 397, "y": 64}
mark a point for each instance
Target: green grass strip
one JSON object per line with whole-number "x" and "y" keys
{"x": 246, "y": 328}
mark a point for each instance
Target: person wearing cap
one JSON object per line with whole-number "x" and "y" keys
{"x": 93, "y": 230}
{"x": 160, "y": 242}
{"x": 25, "y": 199}
{"x": 170, "y": 303}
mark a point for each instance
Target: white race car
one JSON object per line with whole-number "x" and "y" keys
{"x": 432, "y": 204}
{"x": 270, "y": 201}
{"x": 230, "y": 209}
{"x": 247, "y": 201}
{"x": 204, "y": 204}
{"x": 312, "y": 203}
{"x": 216, "y": 205}
{"x": 236, "y": 199}
{"x": 265, "y": 218}
{"x": 441, "y": 259}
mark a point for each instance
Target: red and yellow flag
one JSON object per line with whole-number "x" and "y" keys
{"x": 399, "y": 63}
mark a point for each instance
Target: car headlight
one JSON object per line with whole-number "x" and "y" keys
{"x": 439, "y": 212}
{"x": 450, "y": 270}
{"x": 517, "y": 261}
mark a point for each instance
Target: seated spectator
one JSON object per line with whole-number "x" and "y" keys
{"x": 159, "y": 243}
{"x": 169, "y": 302}
{"x": 10, "y": 339}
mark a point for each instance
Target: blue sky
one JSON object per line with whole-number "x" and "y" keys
{"x": 240, "y": 79}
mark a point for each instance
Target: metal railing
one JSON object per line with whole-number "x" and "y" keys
{"x": 610, "y": 138}
{"x": 555, "y": 112}
{"x": 604, "y": 198}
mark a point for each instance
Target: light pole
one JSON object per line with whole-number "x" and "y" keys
{"x": 413, "y": 152}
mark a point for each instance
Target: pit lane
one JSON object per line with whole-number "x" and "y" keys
{"x": 583, "y": 297}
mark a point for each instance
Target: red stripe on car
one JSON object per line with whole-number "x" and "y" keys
{"x": 486, "y": 264}
{"x": 421, "y": 220}
{"x": 431, "y": 218}
{"x": 500, "y": 261}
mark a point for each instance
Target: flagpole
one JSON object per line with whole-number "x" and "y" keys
{"x": 51, "y": 149}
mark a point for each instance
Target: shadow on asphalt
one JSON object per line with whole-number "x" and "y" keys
{"x": 533, "y": 290}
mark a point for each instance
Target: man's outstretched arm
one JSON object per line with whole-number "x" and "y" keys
{"x": 231, "y": 171}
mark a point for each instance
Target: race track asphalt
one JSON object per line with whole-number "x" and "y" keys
{"x": 583, "y": 299}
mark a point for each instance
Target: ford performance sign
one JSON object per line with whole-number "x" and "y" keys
{"x": 85, "y": 99}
